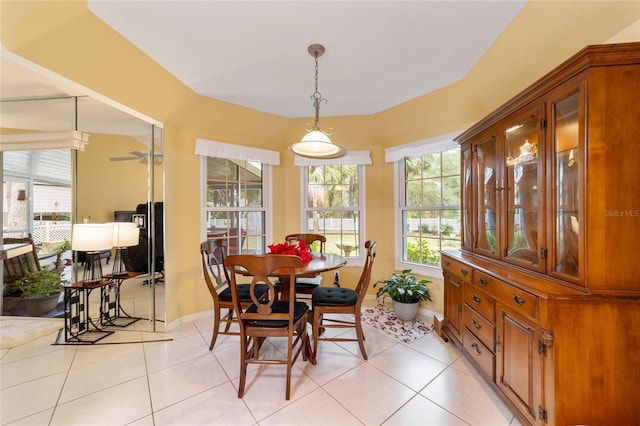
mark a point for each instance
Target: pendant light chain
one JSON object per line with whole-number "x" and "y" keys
{"x": 316, "y": 143}
{"x": 317, "y": 98}
{"x": 316, "y": 92}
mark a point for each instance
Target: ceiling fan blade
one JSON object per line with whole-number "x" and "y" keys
{"x": 122, "y": 158}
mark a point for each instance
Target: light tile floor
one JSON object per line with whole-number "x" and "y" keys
{"x": 179, "y": 382}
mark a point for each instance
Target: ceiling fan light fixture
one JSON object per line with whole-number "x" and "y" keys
{"x": 316, "y": 143}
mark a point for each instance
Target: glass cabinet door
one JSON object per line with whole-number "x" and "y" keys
{"x": 467, "y": 197}
{"x": 566, "y": 137}
{"x": 487, "y": 196}
{"x": 524, "y": 186}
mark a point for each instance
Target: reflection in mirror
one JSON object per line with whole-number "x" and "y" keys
{"x": 116, "y": 176}
{"x": 117, "y": 181}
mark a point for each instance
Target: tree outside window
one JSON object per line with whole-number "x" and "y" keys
{"x": 333, "y": 206}
{"x": 430, "y": 208}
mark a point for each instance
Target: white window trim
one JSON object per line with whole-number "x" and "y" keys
{"x": 304, "y": 178}
{"x": 229, "y": 151}
{"x": 397, "y": 154}
{"x": 426, "y": 146}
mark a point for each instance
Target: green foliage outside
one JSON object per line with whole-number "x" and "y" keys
{"x": 61, "y": 246}
{"x": 433, "y": 187}
{"x": 421, "y": 253}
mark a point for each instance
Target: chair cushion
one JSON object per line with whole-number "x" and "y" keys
{"x": 279, "y": 307}
{"x": 243, "y": 292}
{"x": 334, "y": 296}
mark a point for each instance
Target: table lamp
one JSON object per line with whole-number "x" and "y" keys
{"x": 125, "y": 234}
{"x": 92, "y": 238}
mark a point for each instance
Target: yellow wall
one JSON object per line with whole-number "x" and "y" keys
{"x": 106, "y": 186}
{"x": 68, "y": 39}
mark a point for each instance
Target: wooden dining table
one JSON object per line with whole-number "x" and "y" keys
{"x": 321, "y": 262}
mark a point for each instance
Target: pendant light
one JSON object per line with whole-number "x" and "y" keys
{"x": 316, "y": 143}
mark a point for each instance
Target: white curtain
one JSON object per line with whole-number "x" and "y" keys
{"x": 71, "y": 139}
{"x": 426, "y": 146}
{"x": 236, "y": 152}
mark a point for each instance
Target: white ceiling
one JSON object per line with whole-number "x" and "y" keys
{"x": 254, "y": 53}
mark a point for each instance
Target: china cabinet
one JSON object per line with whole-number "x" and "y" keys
{"x": 544, "y": 296}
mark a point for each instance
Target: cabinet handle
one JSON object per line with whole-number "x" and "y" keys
{"x": 476, "y": 349}
{"x": 519, "y": 300}
{"x": 476, "y": 299}
{"x": 464, "y": 272}
{"x": 483, "y": 282}
{"x": 446, "y": 263}
{"x": 498, "y": 345}
{"x": 476, "y": 324}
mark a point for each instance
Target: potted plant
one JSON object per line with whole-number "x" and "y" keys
{"x": 406, "y": 293}
{"x": 40, "y": 291}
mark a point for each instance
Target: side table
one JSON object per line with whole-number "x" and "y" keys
{"x": 112, "y": 313}
{"x": 79, "y": 327}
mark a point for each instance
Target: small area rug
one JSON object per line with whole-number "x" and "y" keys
{"x": 384, "y": 319}
{"x": 16, "y": 331}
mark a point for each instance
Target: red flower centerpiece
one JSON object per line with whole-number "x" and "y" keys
{"x": 300, "y": 249}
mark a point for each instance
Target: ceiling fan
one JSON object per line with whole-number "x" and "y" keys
{"x": 142, "y": 157}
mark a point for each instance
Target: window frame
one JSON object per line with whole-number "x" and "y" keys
{"x": 304, "y": 209}
{"x": 267, "y": 200}
{"x": 399, "y": 193}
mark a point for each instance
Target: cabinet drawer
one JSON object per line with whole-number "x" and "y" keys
{"x": 483, "y": 329}
{"x": 485, "y": 281}
{"x": 480, "y": 301}
{"x": 479, "y": 353}
{"x": 519, "y": 300}
{"x": 458, "y": 269}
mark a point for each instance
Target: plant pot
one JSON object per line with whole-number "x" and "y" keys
{"x": 11, "y": 305}
{"x": 41, "y": 305}
{"x": 406, "y": 311}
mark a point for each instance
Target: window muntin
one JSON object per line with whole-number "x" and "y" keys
{"x": 334, "y": 206}
{"x": 235, "y": 203}
{"x": 430, "y": 206}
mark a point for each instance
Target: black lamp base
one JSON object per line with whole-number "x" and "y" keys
{"x": 119, "y": 267}
{"x": 92, "y": 268}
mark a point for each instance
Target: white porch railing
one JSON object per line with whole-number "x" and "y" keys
{"x": 49, "y": 233}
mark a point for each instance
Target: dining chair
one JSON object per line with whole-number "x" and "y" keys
{"x": 269, "y": 317}
{"x": 16, "y": 268}
{"x": 216, "y": 276}
{"x": 306, "y": 285}
{"x": 341, "y": 300}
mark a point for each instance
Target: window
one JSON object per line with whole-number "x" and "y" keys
{"x": 427, "y": 197}
{"x": 236, "y": 194}
{"x": 235, "y": 203}
{"x": 333, "y": 204}
{"x": 429, "y": 206}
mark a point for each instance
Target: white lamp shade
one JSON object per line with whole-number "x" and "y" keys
{"x": 125, "y": 234}
{"x": 92, "y": 237}
{"x": 317, "y": 144}
{"x": 316, "y": 136}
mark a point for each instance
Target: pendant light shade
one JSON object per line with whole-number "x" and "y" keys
{"x": 316, "y": 143}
